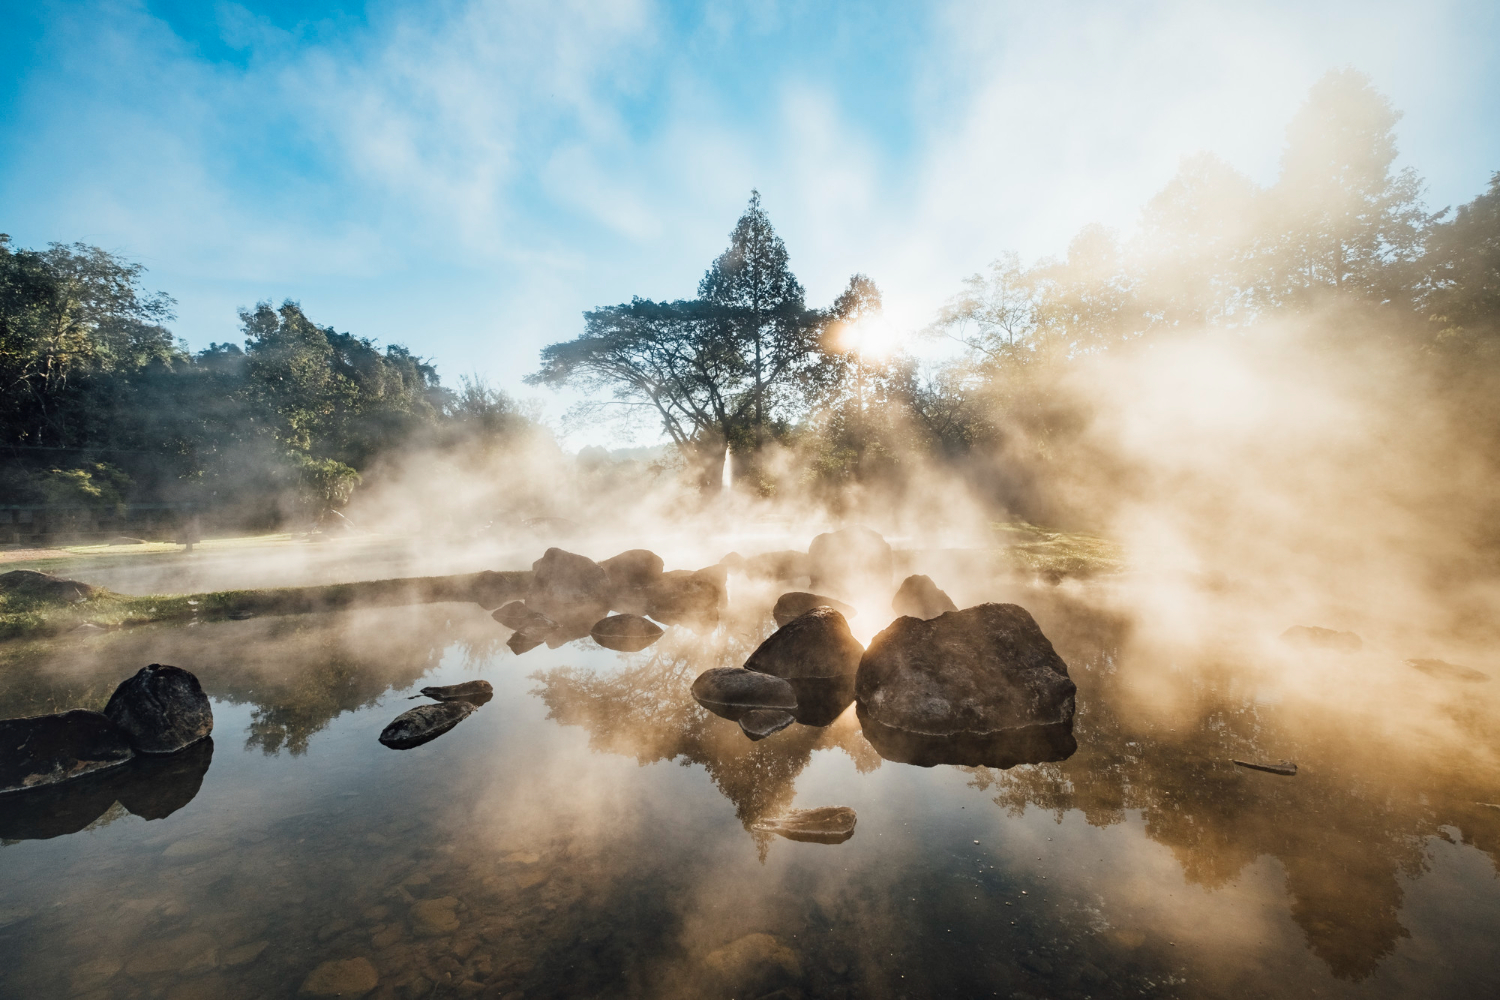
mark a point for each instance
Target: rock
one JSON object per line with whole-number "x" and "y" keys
{"x": 817, "y": 655}
{"x": 28, "y": 583}
{"x": 625, "y": 633}
{"x": 787, "y": 566}
{"x": 1447, "y": 671}
{"x": 349, "y": 977}
{"x": 758, "y": 723}
{"x": 241, "y": 954}
{"x": 850, "y": 559}
{"x": 633, "y": 569}
{"x": 47, "y": 749}
{"x": 825, "y": 825}
{"x": 1285, "y": 768}
{"x": 425, "y": 723}
{"x": 566, "y": 578}
{"x": 1313, "y": 637}
{"x": 730, "y": 692}
{"x": 434, "y": 917}
{"x": 981, "y": 686}
{"x": 691, "y": 598}
{"x": 816, "y": 644}
{"x": 754, "y": 964}
{"x": 919, "y": 597}
{"x": 531, "y": 626}
{"x": 475, "y": 692}
{"x": 161, "y": 709}
{"x": 789, "y": 606}
{"x": 524, "y": 642}
{"x": 734, "y": 562}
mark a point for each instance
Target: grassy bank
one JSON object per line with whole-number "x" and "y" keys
{"x": 1055, "y": 555}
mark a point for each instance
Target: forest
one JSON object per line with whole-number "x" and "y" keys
{"x": 103, "y": 405}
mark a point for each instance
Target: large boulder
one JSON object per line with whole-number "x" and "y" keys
{"x": 425, "y": 723}
{"x": 561, "y": 579}
{"x": 818, "y": 656}
{"x": 625, "y": 633}
{"x": 849, "y": 560}
{"x": 982, "y": 686}
{"x": 161, "y": 709}
{"x": 789, "y": 606}
{"x": 688, "y": 597}
{"x": 919, "y": 597}
{"x": 731, "y": 692}
{"x": 633, "y": 569}
{"x": 47, "y": 749}
{"x": 30, "y": 584}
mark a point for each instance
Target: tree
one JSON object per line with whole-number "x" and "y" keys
{"x": 1460, "y": 288}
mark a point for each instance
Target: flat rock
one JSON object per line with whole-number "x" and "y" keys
{"x": 566, "y": 578}
{"x": 850, "y": 559}
{"x": 475, "y": 692}
{"x": 625, "y": 633}
{"x": 919, "y": 597}
{"x": 424, "y": 723}
{"x": 758, "y": 723}
{"x": 688, "y": 597}
{"x": 44, "y": 586}
{"x": 347, "y": 977}
{"x": 48, "y": 749}
{"x": 979, "y": 686}
{"x": 161, "y": 709}
{"x": 824, "y": 825}
{"x": 789, "y": 606}
{"x": 732, "y": 691}
{"x": 434, "y": 917}
{"x": 1313, "y": 637}
{"x": 1447, "y": 671}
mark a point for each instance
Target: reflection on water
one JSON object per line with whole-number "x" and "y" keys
{"x": 592, "y": 831}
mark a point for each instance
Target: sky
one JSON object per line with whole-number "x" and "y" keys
{"x": 467, "y": 178}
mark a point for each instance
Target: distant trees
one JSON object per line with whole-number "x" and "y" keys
{"x": 730, "y": 369}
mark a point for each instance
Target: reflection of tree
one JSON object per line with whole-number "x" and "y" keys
{"x": 645, "y": 710}
{"x": 1345, "y": 830}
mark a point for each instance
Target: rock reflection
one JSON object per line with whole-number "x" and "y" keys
{"x": 1004, "y": 749}
{"x": 151, "y": 787}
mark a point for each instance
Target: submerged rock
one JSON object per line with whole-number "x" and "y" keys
{"x": 1447, "y": 671}
{"x": 732, "y": 691}
{"x": 625, "y": 633}
{"x": 789, "y": 606}
{"x": 1313, "y": 637}
{"x": 47, "y": 749}
{"x": 348, "y": 977}
{"x": 979, "y": 686}
{"x": 566, "y": 578}
{"x": 161, "y": 709}
{"x": 476, "y": 692}
{"x": 849, "y": 559}
{"x": 44, "y": 586}
{"x": 688, "y": 597}
{"x": 919, "y": 597}
{"x": 758, "y": 723}
{"x": 824, "y": 825}
{"x": 754, "y": 965}
{"x": 424, "y": 723}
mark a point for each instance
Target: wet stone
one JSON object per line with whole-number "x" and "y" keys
{"x": 816, "y": 644}
{"x": 762, "y": 722}
{"x": 424, "y": 723}
{"x": 434, "y": 917}
{"x": 48, "y": 749}
{"x": 919, "y": 597}
{"x": 625, "y": 633}
{"x": 791, "y": 605}
{"x": 824, "y": 825}
{"x": 349, "y": 977}
{"x": 477, "y": 692}
{"x": 731, "y": 691}
{"x": 161, "y": 709}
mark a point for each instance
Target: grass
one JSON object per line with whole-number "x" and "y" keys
{"x": 1054, "y": 555}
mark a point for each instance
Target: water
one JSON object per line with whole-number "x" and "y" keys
{"x": 588, "y": 832}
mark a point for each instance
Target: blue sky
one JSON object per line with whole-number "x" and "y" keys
{"x": 466, "y": 178}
